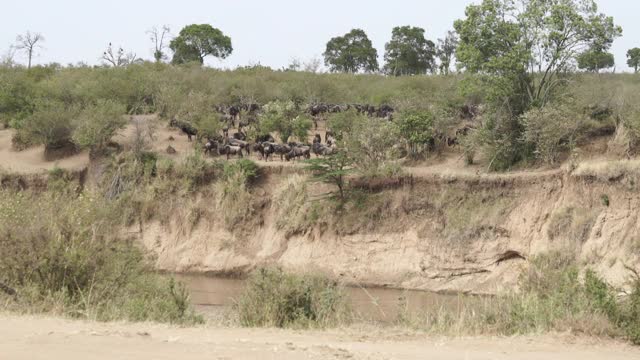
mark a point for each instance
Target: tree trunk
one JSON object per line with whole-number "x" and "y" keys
{"x": 30, "y": 55}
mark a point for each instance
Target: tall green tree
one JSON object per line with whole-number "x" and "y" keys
{"x": 446, "y": 51}
{"x": 595, "y": 60}
{"x": 520, "y": 51}
{"x": 197, "y": 41}
{"x": 409, "y": 52}
{"x": 633, "y": 59}
{"x": 525, "y": 45}
{"x": 351, "y": 53}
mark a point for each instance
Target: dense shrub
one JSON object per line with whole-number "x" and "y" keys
{"x": 61, "y": 255}
{"x": 98, "y": 123}
{"x": 417, "y": 129}
{"x": 195, "y": 171}
{"x": 372, "y": 144}
{"x": 234, "y": 200}
{"x": 552, "y": 296}
{"x": 552, "y": 130}
{"x": 274, "y": 298}
{"x": 342, "y": 124}
{"x": 286, "y": 118}
{"x": 244, "y": 169}
{"x": 51, "y": 124}
{"x": 500, "y": 139}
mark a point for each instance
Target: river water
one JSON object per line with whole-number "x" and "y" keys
{"x": 377, "y": 304}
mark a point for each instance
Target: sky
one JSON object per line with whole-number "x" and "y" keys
{"x": 269, "y": 32}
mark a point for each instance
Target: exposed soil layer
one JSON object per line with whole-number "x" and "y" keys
{"x": 471, "y": 233}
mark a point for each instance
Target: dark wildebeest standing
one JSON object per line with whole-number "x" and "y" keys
{"x": 184, "y": 127}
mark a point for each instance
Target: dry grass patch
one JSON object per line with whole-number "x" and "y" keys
{"x": 610, "y": 171}
{"x": 573, "y": 224}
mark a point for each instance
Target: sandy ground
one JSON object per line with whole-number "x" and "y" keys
{"x": 35, "y": 338}
{"x": 32, "y": 160}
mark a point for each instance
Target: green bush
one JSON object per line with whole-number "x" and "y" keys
{"x": 195, "y": 170}
{"x": 98, "y": 123}
{"x": 61, "y": 255}
{"x": 247, "y": 169}
{"x": 552, "y": 130}
{"x": 51, "y": 125}
{"x": 500, "y": 139}
{"x": 234, "y": 199}
{"x": 371, "y": 143}
{"x": 628, "y": 314}
{"x": 286, "y": 118}
{"x": 417, "y": 129}
{"x": 274, "y": 298}
{"x": 343, "y": 123}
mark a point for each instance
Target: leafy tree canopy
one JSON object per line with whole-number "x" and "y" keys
{"x": 595, "y": 60}
{"x": 332, "y": 170}
{"x": 409, "y": 52}
{"x": 513, "y": 40}
{"x": 351, "y": 53}
{"x": 197, "y": 41}
{"x": 633, "y": 58}
{"x": 446, "y": 51}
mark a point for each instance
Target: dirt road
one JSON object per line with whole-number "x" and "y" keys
{"x": 33, "y": 338}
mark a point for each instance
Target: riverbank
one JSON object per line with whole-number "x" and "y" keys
{"x": 28, "y": 337}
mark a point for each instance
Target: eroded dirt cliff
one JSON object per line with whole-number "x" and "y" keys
{"x": 430, "y": 232}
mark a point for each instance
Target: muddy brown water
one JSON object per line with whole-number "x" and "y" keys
{"x": 377, "y": 304}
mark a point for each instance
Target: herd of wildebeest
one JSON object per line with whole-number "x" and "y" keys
{"x": 266, "y": 146}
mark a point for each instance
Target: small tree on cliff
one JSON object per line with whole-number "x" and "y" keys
{"x": 332, "y": 170}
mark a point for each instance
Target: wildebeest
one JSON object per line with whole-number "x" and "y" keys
{"x": 321, "y": 149}
{"x": 241, "y": 144}
{"x": 186, "y": 128}
{"x": 385, "y": 111}
{"x": 329, "y": 137}
{"x": 210, "y": 146}
{"x": 282, "y": 150}
{"x": 297, "y": 152}
{"x": 317, "y": 109}
{"x": 231, "y": 150}
{"x": 265, "y": 138}
{"x": 8, "y": 290}
{"x": 234, "y": 111}
{"x": 240, "y": 136}
{"x": 266, "y": 149}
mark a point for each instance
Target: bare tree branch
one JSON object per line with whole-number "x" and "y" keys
{"x": 29, "y": 43}
{"x": 119, "y": 58}
{"x": 158, "y": 38}
{"x": 7, "y": 59}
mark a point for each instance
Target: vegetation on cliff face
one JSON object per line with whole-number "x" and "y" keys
{"x": 64, "y": 253}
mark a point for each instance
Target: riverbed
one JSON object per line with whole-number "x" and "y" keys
{"x": 385, "y": 305}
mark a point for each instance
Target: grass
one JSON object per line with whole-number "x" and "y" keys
{"x": 553, "y": 296}
{"x": 275, "y": 298}
{"x": 293, "y": 207}
{"x": 571, "y": 223}
{"x": 61, "y": 255}
{"x": 472, "y": 214}
{"x": 235, "y": 202}
{"x": 625, "y": 171}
